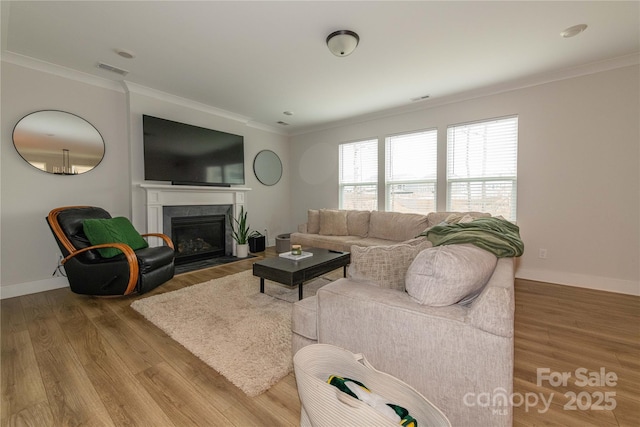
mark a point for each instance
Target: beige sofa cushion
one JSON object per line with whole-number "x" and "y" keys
{"x": 384, "y": 266}
{"x": 313, "y": 221}
{"x": 445, "y": 275}
{"x": 333, "y": 222}
{"x": 358, "y": 223}
{"x": 396, "y": 226}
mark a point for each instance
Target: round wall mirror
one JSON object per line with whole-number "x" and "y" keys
{"x": 267, "y": 167}
{"x": 58, "y": 142}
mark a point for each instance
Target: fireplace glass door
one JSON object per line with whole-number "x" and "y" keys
{"x": 198, "y": 237}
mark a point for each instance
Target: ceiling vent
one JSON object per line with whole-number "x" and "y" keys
{"x": 420, "y": 98}
{"x": 112, "y": 69}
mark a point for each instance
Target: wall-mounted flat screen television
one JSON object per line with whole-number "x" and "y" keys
{"x": 191, "y": 155}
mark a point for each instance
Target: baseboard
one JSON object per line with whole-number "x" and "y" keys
{"x": 629, "y": 287}
{"x": 19, "y": 289}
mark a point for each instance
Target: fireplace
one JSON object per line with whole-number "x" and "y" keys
{"x": 198, "y": 237}
{"x": 163, "y": 201}
{"x": 198, "y": 232}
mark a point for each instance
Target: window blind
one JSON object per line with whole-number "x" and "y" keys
{"x": 358, "y": 175}
{"x": 482, "y": 167}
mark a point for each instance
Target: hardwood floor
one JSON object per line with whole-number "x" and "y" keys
{"x": 73, "y": 360}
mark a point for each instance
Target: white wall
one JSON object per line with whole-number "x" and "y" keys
{"x": 578, "y": 172}
{"x": 29, "y": 253}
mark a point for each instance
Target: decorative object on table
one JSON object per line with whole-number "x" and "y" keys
{"x": 296, "y": 257}
{"x": 240, "y": 231}
{"x": 296, "y": 250}
{"x": 256, "y": 242}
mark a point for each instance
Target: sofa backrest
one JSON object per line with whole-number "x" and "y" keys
{"x": 396, "y": 226}
{"x": 435, "y": 218}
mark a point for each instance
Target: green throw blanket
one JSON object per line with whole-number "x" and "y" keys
{"x": 496, "y": 235}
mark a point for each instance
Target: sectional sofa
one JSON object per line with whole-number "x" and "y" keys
{"x": 439, "y": 318}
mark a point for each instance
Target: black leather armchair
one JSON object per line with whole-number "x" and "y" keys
{"x": 90, "y": 274}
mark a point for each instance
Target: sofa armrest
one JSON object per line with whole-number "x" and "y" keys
{"x": 493, "y": 310}
{"x": 302, "y": 228}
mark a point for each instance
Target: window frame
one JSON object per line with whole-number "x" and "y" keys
{"x": 432, "y": 135}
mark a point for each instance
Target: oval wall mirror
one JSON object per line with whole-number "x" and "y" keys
{"x": 58, "y": 142}
{"x": 267, "y": 167}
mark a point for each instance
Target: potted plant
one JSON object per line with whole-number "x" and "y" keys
{"x": 256, "y": 241}
{"x": 240, "y": 232}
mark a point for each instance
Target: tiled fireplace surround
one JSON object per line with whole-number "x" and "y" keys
{"x": 190, "y": 200}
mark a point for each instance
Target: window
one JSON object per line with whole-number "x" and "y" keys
{"x": 411, "y": 172}
{"x": 358, "y": 179}
{"x": 482, "y": 167}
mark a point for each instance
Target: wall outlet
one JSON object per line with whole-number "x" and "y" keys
{"x": 542, "y": 253}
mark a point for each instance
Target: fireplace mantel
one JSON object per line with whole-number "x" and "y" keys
{"x": 159, "y": 195}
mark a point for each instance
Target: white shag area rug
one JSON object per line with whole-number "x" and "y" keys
{"x": 232, "y": 327}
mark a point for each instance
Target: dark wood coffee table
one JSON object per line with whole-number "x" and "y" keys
{"x": 292, "y": 273}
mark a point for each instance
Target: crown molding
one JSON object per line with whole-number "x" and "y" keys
{"x": 195, "y": 105}
{"x": 184, "y": 102}
{"x": 60, "y": 71}
{"x": 266, "y": 128}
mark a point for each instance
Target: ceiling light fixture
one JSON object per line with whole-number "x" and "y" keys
{"x": 288, "y": 113}
{"x": 573, "y": 31}
{"x": 343, "y": 42}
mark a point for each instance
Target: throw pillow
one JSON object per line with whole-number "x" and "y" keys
{"x": 445, "y": 275}
{"x": 384, "y": 266}
{"x": 112, "y": 230}
{"x": 358, "y": 223}
{"x": 313, "y": 221}
{"x": 333, "y": 223}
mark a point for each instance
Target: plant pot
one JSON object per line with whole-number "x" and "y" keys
{"x": 242, "y": 250}
{"x": 256, "y": 244}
